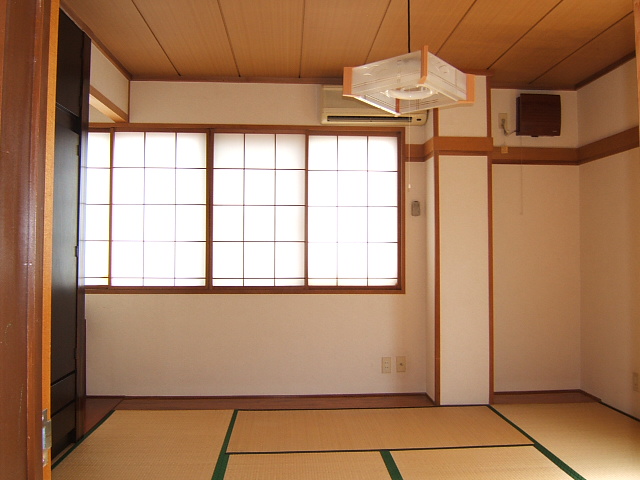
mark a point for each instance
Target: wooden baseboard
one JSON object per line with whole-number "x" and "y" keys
{"x": 544, "y": 396}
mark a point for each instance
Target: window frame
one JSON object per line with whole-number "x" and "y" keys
{"x": 210, "y": 130}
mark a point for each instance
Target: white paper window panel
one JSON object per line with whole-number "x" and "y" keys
{"x": 383, "y": 260}
{"x": 191, "y": 150}
{"x": 352, "y": 260}
{"x": 352, "y": 224}
{"x": 159, "y": 223}
{"x": 228, "y": 187}
{"x": 127, "y": 281}
{"x": 323, "y": 152}
{"x": 189, "y": 282}
{"x": 128, "y": 149}
{"x": 352, "y": 188}
{"x": 383, "y": 189}
{"x": 128, "y": 186}
{"x": 160, "y": 186}
{"x": 289, "y": 260}
{"x": 99, "y": 150}
{"x": 323, "y": 224}
{"x": 383, "y": 224}
{"x": 259, "y": 187}
{"x": 290, "y": 224}
{"x": 191, "y": 223}
{"x": 383, "y": 154}
{"x": 96, "y": 262}
{"x": 290, "y": 151}
{"x": 159, "y": 260}
{"x": 352, "y": 153}
{"x": 259, "y": 223}
{"x": 126, "y": 260}
{"x": 191, "y": 186}
{"x": 322, "y": 261}
{"x": 323, "y": 188}
{"x": 96, "y": 222}
{"x": 228, "y": 150}
{"x": 259, "y": 260}
{"x": 160, "y": 150}
{"x": 190, "y": 260}
{"x": 260, "y": 150}
{"x": 290, "y": 187}
{"x": 98, "y": 181}
{"x": 228, "y": 223}
{"x": 227, "y": 260}
{"x": 91, "y": 281}
{"x": 127, "y": 222}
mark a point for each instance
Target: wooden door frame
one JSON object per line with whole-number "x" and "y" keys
{"x": 26, "y": 139}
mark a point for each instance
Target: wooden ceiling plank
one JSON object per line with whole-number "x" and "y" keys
{"x": 118, "y": 26}
{"x": 561, "y": 33}
{"x": 489, "y": 29}
{"x": 266, "y": 36}
{"x": 192, "y": 34}
{"x": 338, "y": 34}
{"x": 615, "y": 43}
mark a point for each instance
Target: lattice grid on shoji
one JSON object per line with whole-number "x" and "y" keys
{"x": 258, "y": 212}
{"x": 353, "y": 210}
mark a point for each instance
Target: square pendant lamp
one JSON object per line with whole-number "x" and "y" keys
{"x": 412, "y": 82}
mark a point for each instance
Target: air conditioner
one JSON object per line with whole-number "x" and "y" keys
{"x": 339, "y": 110}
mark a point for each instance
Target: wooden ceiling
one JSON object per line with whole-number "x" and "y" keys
{"x": 557, "y": 44}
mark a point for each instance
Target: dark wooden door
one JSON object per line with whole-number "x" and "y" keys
{"x": 67, "y": 312}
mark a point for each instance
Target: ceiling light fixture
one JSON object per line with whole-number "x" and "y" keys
{"x": 409, "y": 83}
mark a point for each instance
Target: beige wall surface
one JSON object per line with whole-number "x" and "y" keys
{"x": 610, "y": 231}
{"x": 536, "y": 277}
{"x": 467, "y": 120}
{"x": 109, "y": 81}
{"x": 430, "y": 341}
{"x": 609, "y": 105}
{"x": 464, "y": 279}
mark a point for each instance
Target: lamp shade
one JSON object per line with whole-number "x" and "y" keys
{"x": 408, "y": 83}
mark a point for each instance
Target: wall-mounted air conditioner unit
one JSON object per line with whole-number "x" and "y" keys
{"x": 339, "y": 110}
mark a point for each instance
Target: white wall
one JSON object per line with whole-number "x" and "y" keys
{"x": 466, "y": 120}
{"x": 610, "y": 218}
{"x": 464, "y": 279}
{"x": 609, "y": 105}
{"x": 536, "y": 260}
{"x": 225, "y": 103}
{"x": 109, "y": 81}
{"x": 610, "y": 235}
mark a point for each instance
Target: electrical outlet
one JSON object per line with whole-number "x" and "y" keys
{"x": 636, "y": 382}
{"x": 401, "y": 364}
{"x": 386, "y": 364}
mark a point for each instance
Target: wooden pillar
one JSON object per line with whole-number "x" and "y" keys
{"x": 636, "y": 16}
{"x": 24, "y": 69}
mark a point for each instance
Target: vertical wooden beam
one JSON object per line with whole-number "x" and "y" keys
{"x": 24, "y": 59}
{"x": 636, "y": 16}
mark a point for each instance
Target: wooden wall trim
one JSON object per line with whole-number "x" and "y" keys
{"x": 105, "y": 106}
{"x": 618, "y": 143}
{"x": 535, "y": 156}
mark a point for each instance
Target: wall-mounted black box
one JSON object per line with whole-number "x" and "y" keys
{"x": 538, "y": 115}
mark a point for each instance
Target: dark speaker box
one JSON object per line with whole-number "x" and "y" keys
{"x": 538, "y": 115}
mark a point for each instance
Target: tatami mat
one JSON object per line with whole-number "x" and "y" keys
{"x": 370, "y": 429}
{"x": 308, "y": 466}
{"x": 141, "y": 445}
{"x": 496, "y": 463}
{"x": 594, "y": 440}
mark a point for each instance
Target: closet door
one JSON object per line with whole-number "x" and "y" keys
{"x": 67, "y": 305}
